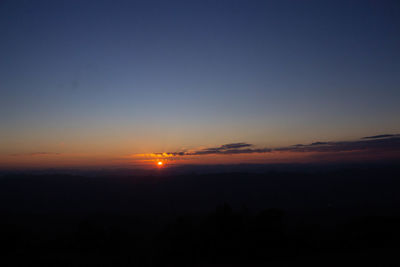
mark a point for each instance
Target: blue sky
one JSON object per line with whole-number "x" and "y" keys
{"x": 123, "y": 77}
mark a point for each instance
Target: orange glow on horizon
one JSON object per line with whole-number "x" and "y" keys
{"x": 165, "y": 160}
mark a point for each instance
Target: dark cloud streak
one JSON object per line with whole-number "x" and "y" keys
{"x": 381, "y": 136}
{"x": 368, "y": 144}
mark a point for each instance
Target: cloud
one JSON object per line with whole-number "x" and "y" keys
{"x": 319, "y": 143}
{"x": 229, "y": 151}
{"x": 235, "y": 145}
{"x": 379, "y": 143}
{"x": 232, "y": 148}
{"x": 381, "y": 136}
{"x": 226, "y": 149}
{"x": 370, "y": 144}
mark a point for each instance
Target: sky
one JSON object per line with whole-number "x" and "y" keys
{"x": 116, "y": 83}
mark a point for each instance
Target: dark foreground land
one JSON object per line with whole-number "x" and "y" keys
{"x": 347, "y": 216}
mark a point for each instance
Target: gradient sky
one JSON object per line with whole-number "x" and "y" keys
{"x": 88, "y": 82}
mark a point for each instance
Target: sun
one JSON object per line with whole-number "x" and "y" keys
{"x": 159, "y": 163}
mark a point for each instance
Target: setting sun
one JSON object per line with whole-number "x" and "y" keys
{"x": 159, "y": 163}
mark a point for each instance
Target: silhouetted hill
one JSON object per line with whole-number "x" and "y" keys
{"x": 274, "y": 218}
